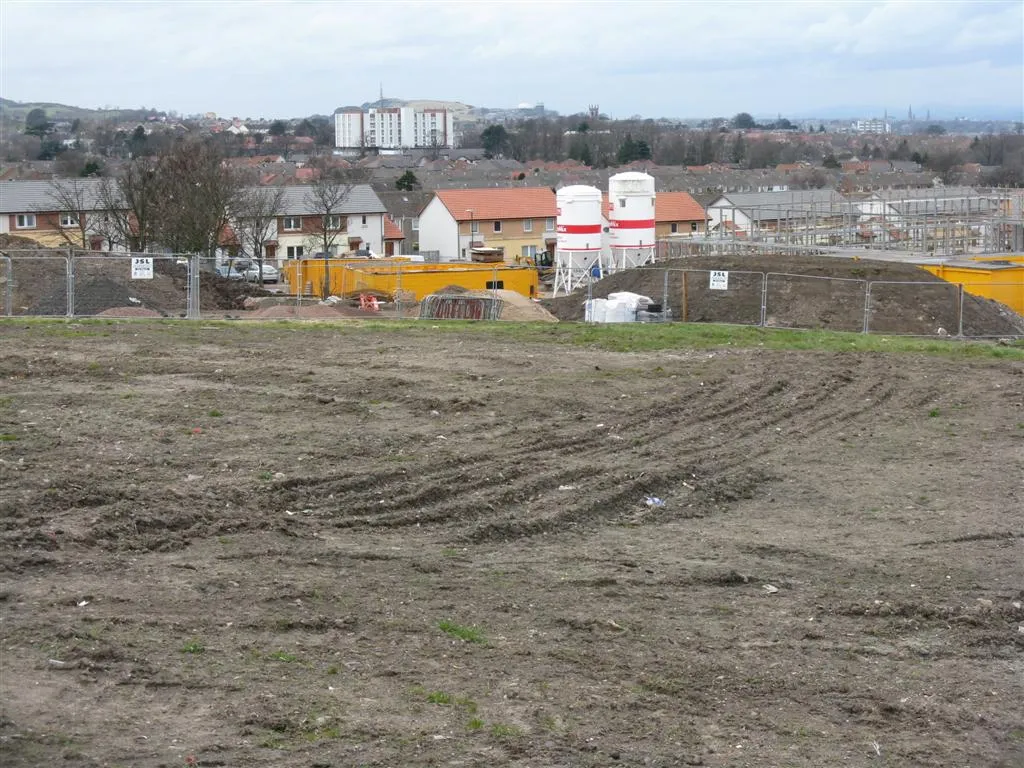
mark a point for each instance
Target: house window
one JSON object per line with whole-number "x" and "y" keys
{"x": 25, "y": 221}
{"x": 364, "y": 221}
{"x": 294, "y": 251}
{"x": 622, "y": 202}
{"x": 333, "y": 221}
{"x": 474, "y": 227}
{"x": 292, "y": 223}
{"x": 497, "y": 226}
{"x": 693, "y": 226}
{"x": 675, "y": 227}
{"x": 415, "y": 224}
{"x": 529, "y": 251}
{"x": 527, "y": 225}
{"x": 549, "y": 225}
{"x": 69, "y": 219}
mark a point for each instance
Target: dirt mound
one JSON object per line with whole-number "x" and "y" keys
{"x": 307, "y": 311}
{"x": 795, "y": 299}
{"x": 128, "y": 312}
{"x": 519, "y": 308}
{"x": 103, "y": 281}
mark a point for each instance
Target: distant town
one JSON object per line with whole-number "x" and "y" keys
{"x": 67, "y": 173}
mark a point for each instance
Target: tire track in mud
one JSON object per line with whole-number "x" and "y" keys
{"x": 519, "y": 499}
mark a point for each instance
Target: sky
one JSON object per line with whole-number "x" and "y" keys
{"x": 655, "y": 59}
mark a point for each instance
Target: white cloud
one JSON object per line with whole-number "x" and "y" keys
{"x": 654, "y": 58}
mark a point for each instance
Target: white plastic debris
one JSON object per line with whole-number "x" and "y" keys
{"x": 567, "y": 487}
{"x": 771, "y": 589}
{"x": 654, "y": 501}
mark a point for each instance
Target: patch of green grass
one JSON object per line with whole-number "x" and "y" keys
{"x": 440, "y": 697}
{"x": 933, "y": 413}
{"x": 284, "y": 656}
{"x": 8, "y": 437}
{"x": 93, "y": 367}
{"x": 468, "y": 634}
{"x": 333, "y": 670}
{"x": 193, "y": 647}
{"x": 5, "y": 402}
{"x": 475, "y": 724}
{"x": 215, "y": 414}
{"x": 266, "y": 475}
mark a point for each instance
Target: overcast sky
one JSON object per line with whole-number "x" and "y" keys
{"x": 671, "y": 59}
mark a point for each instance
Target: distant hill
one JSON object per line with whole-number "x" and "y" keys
{"x": 16, "y": 110}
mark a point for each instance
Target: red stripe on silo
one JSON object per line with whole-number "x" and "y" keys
{"x": 633, "y": 224}
{"x": 579, "y": 229}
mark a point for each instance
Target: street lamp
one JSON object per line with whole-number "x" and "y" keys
{"x": 470, "y": 211}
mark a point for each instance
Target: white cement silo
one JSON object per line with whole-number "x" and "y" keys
{"x": 631, "y": 216}
{"x": 578, "y": 225}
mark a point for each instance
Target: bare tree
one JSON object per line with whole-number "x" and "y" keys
{"x": 326, "y": 200}
{"x": 253, "y": 214}
{"x": 128, "y": 206}
{"x": 72, "y": 199}
{"x": 195, "y": 193}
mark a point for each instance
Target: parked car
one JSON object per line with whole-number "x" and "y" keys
{"x": 270, "y": 274}
{"x": 231, "y": 272}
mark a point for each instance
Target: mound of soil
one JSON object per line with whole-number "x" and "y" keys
{"x": 796, "y": 299}
{"x": 103, "y": 282}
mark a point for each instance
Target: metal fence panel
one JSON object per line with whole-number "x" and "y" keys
{"x": 814, "y": 302}
{"x": 936, "y": 308}
{"x": 130, "y": 285}
{"x": 37, "y": 284}
{"x": 689, "y": 294}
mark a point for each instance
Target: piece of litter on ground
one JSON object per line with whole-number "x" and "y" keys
{"x": 654, "y": 501}
{"x": 771, "y": 589}
{"x": 441, "y": 437}
{"x": 83, "y": 603}
{"x": 191, "y": 478}
{"x": 288, "y": 512}
{"x": 567, "y": 487}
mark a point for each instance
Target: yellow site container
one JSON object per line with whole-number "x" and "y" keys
{"x": 413, "y": 279}
{"x": 1001, "y": 279}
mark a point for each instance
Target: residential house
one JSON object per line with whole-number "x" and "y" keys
{"x": 759, "y": 214}
{"x": 54, "y": 212}
{"x": 393, "y": 237}
{"x": 404, "y": 208}
{"x": 519, "y": 222}
{"x": 677, "y": 213}
{"x": 357, "y": 224}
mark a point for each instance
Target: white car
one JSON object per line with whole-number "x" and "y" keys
{"x": 270, "y": 274}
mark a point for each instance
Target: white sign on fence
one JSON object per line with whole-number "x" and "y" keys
{"x": 142, "y": 268}
{"x": 719, "y": 280}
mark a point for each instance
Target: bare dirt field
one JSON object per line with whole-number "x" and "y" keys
{"x": 341, "y": 545}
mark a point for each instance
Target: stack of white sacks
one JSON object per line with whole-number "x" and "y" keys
{"x": 617, "y": 308}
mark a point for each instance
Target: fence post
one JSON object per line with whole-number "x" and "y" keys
{"x": 664, "y": 294}
{"x": 764, "y": 299}
{"x": 398, "y": 289}
{"x": 867, "y": 308}
{"x": 8, "y": 287}
{"x": 960, "y": 311}
{"x": 70, "y": 273}
{"x": 193, "y": 287}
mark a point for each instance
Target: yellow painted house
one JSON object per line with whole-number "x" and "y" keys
{"x": 518, "y": 223}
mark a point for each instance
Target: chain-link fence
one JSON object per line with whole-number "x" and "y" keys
{"x": 85, "y": 283}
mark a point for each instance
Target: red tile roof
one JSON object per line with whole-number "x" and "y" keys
{"x": 391, "y": 230}
{"x": 677, "y": 206}
{"x": 499, "y": 203}
{"x": 668, "y": 206}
